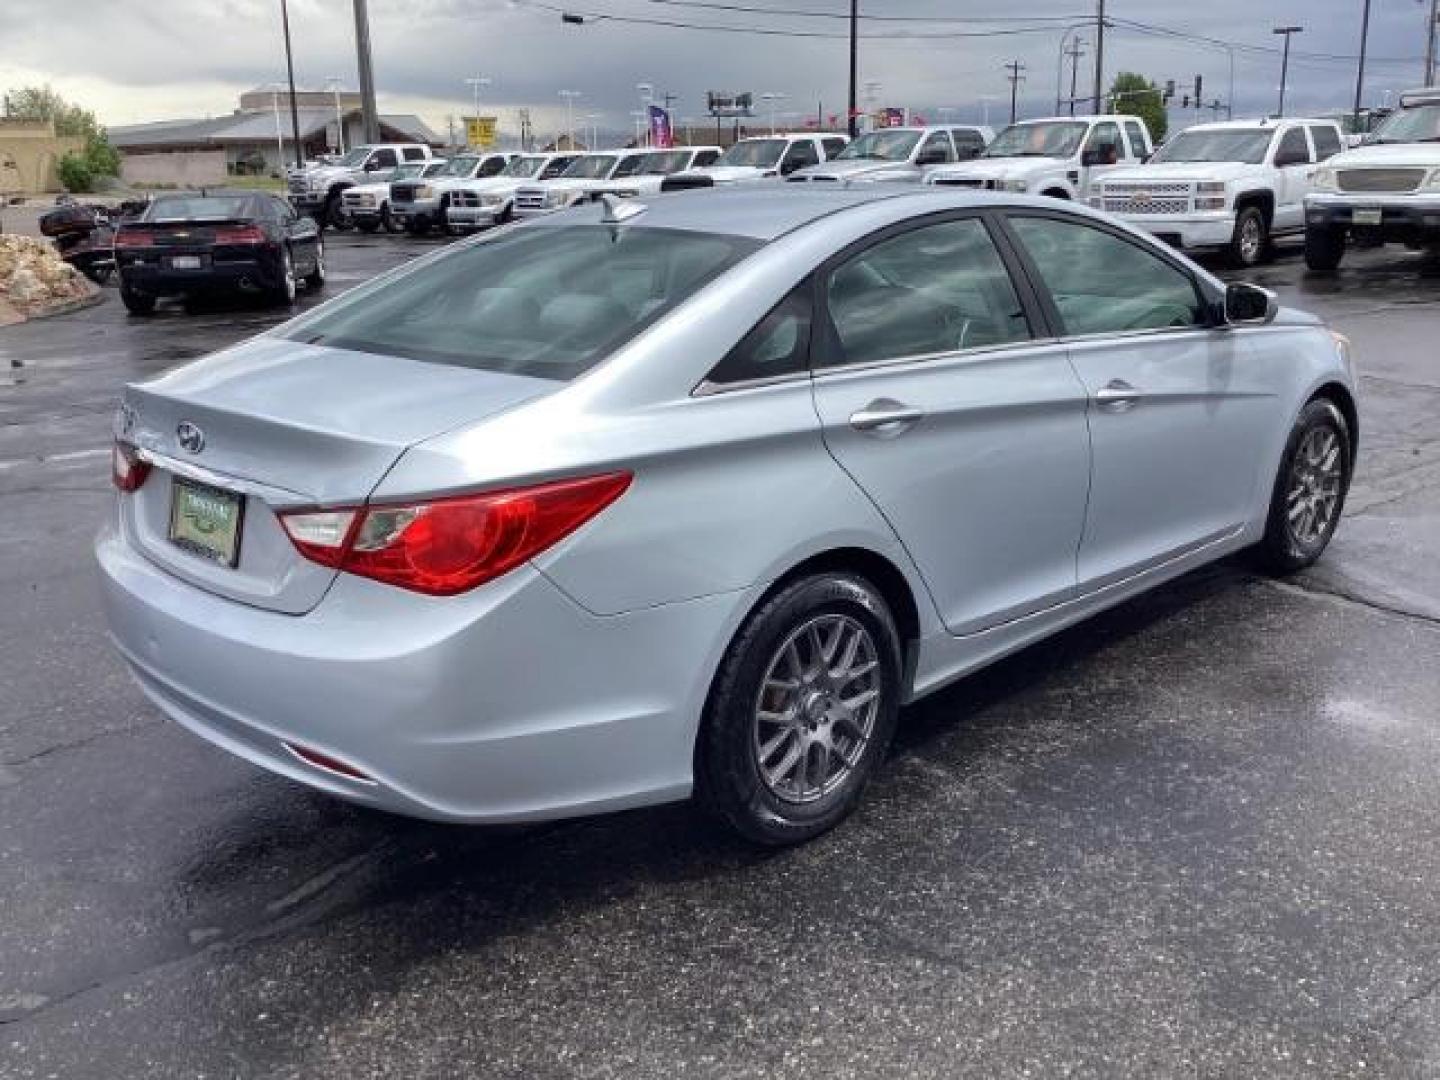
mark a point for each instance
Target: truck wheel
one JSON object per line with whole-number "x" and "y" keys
{"x": 387, "y": 220}
{"x": 1251, "y": 238}
{"x": 335, "y": 213}
{"x": 1324, "y": 248}
{"x": 369, "y": 225}
{"x": 417, "y": 224}
{"x": 137, "y": 303}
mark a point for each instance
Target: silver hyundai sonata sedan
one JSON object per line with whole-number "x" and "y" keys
{"x": 636, "y": 502}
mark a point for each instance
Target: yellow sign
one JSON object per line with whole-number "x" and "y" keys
{"x": 480, "y": 130}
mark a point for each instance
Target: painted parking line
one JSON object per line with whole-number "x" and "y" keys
{"x": 72, "y": 455}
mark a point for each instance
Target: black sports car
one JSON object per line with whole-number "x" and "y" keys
{"x": 192, "y": 243}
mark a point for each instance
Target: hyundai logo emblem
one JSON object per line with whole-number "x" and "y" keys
{"x": 190, "y": 437}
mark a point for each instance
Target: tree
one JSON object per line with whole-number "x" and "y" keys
{"x": 76, "y": 121}
{"x": 1138, "y": 96}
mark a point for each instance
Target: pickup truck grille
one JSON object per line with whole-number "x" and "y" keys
{"x": 464, "y": 198}
{"x": 358, "y": 201}
{"x": 974, "y": 182}
{"x": 402, "y": 193}
{"x": 530, "y": 199}
{"x": 297, "y": 185}
{"x": 1392, "y": 180}
{"x": 1138, "y": 197}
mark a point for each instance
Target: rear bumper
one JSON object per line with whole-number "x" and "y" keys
{"x": 259, "y": 272}
{"x": 510, "y": 703}
{"x": 1402, "y": 217}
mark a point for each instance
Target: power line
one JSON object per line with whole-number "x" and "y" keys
{"x": 717, "y": 5}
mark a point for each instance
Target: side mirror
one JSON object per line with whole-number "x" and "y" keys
{"x": 1105, "y": 154}
{"x": 1245, "y": 303}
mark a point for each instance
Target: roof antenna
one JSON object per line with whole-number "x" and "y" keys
{"x": 618, "y": 211}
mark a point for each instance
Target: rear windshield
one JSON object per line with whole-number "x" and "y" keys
{"x": 546, "y": 302}
{"x": 199, "y": 208}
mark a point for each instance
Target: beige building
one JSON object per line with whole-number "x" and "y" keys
{"x": 29, "y": 153}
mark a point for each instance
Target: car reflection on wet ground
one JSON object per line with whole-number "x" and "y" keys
{"x": 1196, "y": 835}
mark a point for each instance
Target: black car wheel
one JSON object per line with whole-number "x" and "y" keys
{"x": 801, "y": 710}
{"x": 334, "y": 215}
{"x": 137, "y": 303}
{"x": 369, "y": 225}
{"x": 315, "y": 279}
{"x": 285, "y": 291}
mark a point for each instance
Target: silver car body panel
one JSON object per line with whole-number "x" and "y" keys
{"x": 575, "y": 683}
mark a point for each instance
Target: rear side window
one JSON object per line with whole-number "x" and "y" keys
{"x": 1105, "y": 285}
{"x": 1293, "y": 148}
{"x": 545, "y": 302}
{"x": 937, "y": 148}
{"x": 1138, "y": 146}
{"x": 936, "y": 289}
{"x": 1327, "y": 141}
{"x": 413, "y": 153}
{"x": 832, "y": 147}
{"x": 703, "y": 158}
{"x": 778, "y": 345}
{"x": 968, "y": 144}
{"x": 382, "y": 159}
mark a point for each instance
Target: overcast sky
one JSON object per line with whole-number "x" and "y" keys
{"x": 136, "y": 60}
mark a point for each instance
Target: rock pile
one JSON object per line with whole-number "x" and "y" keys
{"x": 34, "y": 279}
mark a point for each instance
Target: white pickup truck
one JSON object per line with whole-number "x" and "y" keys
{"x": 587, "y": 175}
{"x": 367, "y": 206}
{"x": 478, "y": 204}
{"x": 420, "y": 205}
{"x": 1232, "y": 185}
{"x": 898, "y": 154}
{"x": 649, "y": 176}
{"x": 317, "y": 190}
{"x": 1386, "y": 191}
{"x": 1059, "y": 156}
{"x": 759, "y": 159}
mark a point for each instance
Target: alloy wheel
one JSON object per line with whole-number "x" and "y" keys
{"x": 817, "y": 708}
{"x": 1313, "y": 495}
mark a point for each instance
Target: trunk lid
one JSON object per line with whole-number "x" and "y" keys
{"x": 285, "y": 425}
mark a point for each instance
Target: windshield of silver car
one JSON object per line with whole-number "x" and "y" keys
{"x": 548, "y": 303}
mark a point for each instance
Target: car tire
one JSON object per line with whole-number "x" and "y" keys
{"x": 315, "y": 279}
{"x": 417, "y": 225}
{"x": 335, "y": 215}
{"x": 1250, "y": 240}
{"x": 136, "y": 303}
{"x": 367, "y": 226}
{"x": 1310, "y": 489}
{"x": 782, "y": 695}
{"x": 284, "y": 293}
{"x": 1324, "y": 248}
{"x": 388, "y": 222}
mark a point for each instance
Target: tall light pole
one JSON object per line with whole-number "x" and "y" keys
{"x": 852, "y": 126}
{"x": 290, "y": 71}
{"x": 594, "y": 131}
{"x": 475, "y": 82}
{"x": 369, "y": 118}
{"x": 1432, "y": 21}
{"x": 1360, "y": 70}
{"x": 570, "y": 96}
{"x": 1286, "y": 32}
{"x": 279, "y": 138}
{"x": 641, "y": 120}
{"x": 335, "y": 82}
{"x": 647, "y": 98}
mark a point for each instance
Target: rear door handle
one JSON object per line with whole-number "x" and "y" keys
{"x": 1117, "y": 396}
{"x": 885, "y": 416}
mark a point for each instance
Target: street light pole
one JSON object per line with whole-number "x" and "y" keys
{"x": 369, "y": 118}
{"x": 1099, "y": 55}
{"x": 1360, "y": 70}
{"x": 290, "y": 70}
{"x": 570, "y": 96}
{"x": 853, "y": 126}
{"x": 1286, "y": 32}
{"x": 475, "y": 83}
{"x": 772, "y": 97}
{"x": 647, "y": 98}
{"x": 335, "y": 83}
{"x": 1430, "y": 27}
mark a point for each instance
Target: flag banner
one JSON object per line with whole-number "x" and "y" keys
{"x": 661, "y": 137}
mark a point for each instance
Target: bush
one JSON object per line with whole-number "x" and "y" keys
{"x": 76, "y": 173}
{"x": 101, "y": 157}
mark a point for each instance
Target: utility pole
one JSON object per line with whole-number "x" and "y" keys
{"x": 1074, "y": 52}
{"x": 290, "y": 69}
{"x": 1286, "y": 32}
{"x": 853, "y": 127}
{"x": 369, "y": 118}
{"x": 335, "y": 83}
{"x": 1430, "y": 27}
{"x": 1099, "y": 56}
{"x": 1015, "y": 69}
{"x": 1360, "y": 71}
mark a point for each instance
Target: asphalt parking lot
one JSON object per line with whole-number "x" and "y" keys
{"x": 1195, "y": 837}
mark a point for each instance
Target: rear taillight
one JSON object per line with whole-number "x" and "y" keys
{"x": 239, "y": 234}
{"x": 128, "y": 238}
{"x": 127, "y": 470}
{"x": 448, "y": 546}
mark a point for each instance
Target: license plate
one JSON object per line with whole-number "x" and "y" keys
{"x": 205, "y": 521}
{"x": 1367, "y": 215}
{"x": 185, "y": 262}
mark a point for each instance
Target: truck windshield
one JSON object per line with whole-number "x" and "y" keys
{"x": 590, "y": 168}
{"x": 406, "y": 172}
{"x": 353, "y": 159}
{"x": 755, "y": 153}
{"x": 631, "y": 166}
{"x": 1060, "y": 140}
{"x": 665, "y": 162}
{"x": 881, "y": 146}
{"x": 1246, "y": 145}
{"x": 547, "y": 302}
{"x": 1419, "y": 124}
{"x": 459, "y": 166}
{"x": 523, "y": 166}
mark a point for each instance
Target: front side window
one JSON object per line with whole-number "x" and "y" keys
{"x": 931, "y": 290}
{"x": 383, "y": 159}
{"x": 664, "y": 162}
{"x": 1104, "y": 138}
{"x": 1102, "y": 284}
{"x": 704, "y": 158}
{"x": 1293, "y": 149}
{"x": 491, "y": 167}
{"x": 937, "y": 149}
{"x": 413, "y": 153}
{"x": 630, "y": 166}
{"x": 556, "y": 167}
{"x": 833, "y": 147}
{"x": 778, "y": 345}
{"x": 799, "y": 155}
{"x": 548, "y": 303}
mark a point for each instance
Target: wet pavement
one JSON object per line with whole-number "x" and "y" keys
{"x": 1196, "y": 836}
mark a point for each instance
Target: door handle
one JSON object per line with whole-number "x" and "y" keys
{"x": 1117, "y": 396}
{"x": 885, "y": 416}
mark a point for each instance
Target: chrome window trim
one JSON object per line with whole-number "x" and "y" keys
{"x": 935, "y": 357}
